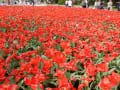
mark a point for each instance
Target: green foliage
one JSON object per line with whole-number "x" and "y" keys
{"x": 78, "y": 2}
{"x": 61, "y": 2}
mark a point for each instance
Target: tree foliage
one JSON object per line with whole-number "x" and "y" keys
{"x": 61, "y": 2}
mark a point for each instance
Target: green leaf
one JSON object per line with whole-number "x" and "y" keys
{"x": 12, "y": 80}
{"x": 20, "y": 83}
{"x": 67, "y": 74}
{"x": 15, "y": 41}
{"x": 1, "y": 52}
{"x": 39, "y": 88}
{"x": 44, "y": 57}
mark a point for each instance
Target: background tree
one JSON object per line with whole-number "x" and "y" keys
{"x": 61, "y": 2}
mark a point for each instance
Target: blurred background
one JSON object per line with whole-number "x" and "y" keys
{"x": 54, "y": 2}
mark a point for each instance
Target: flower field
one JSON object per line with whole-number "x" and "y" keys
{"x": 59, "y": 48}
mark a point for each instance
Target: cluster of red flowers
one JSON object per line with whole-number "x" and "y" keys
{"x": 59, "y": 48}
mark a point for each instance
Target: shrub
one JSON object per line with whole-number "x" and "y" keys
{"x": 61, "y": 2}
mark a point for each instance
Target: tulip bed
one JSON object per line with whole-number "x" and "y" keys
{"x": 59, "y": 48}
